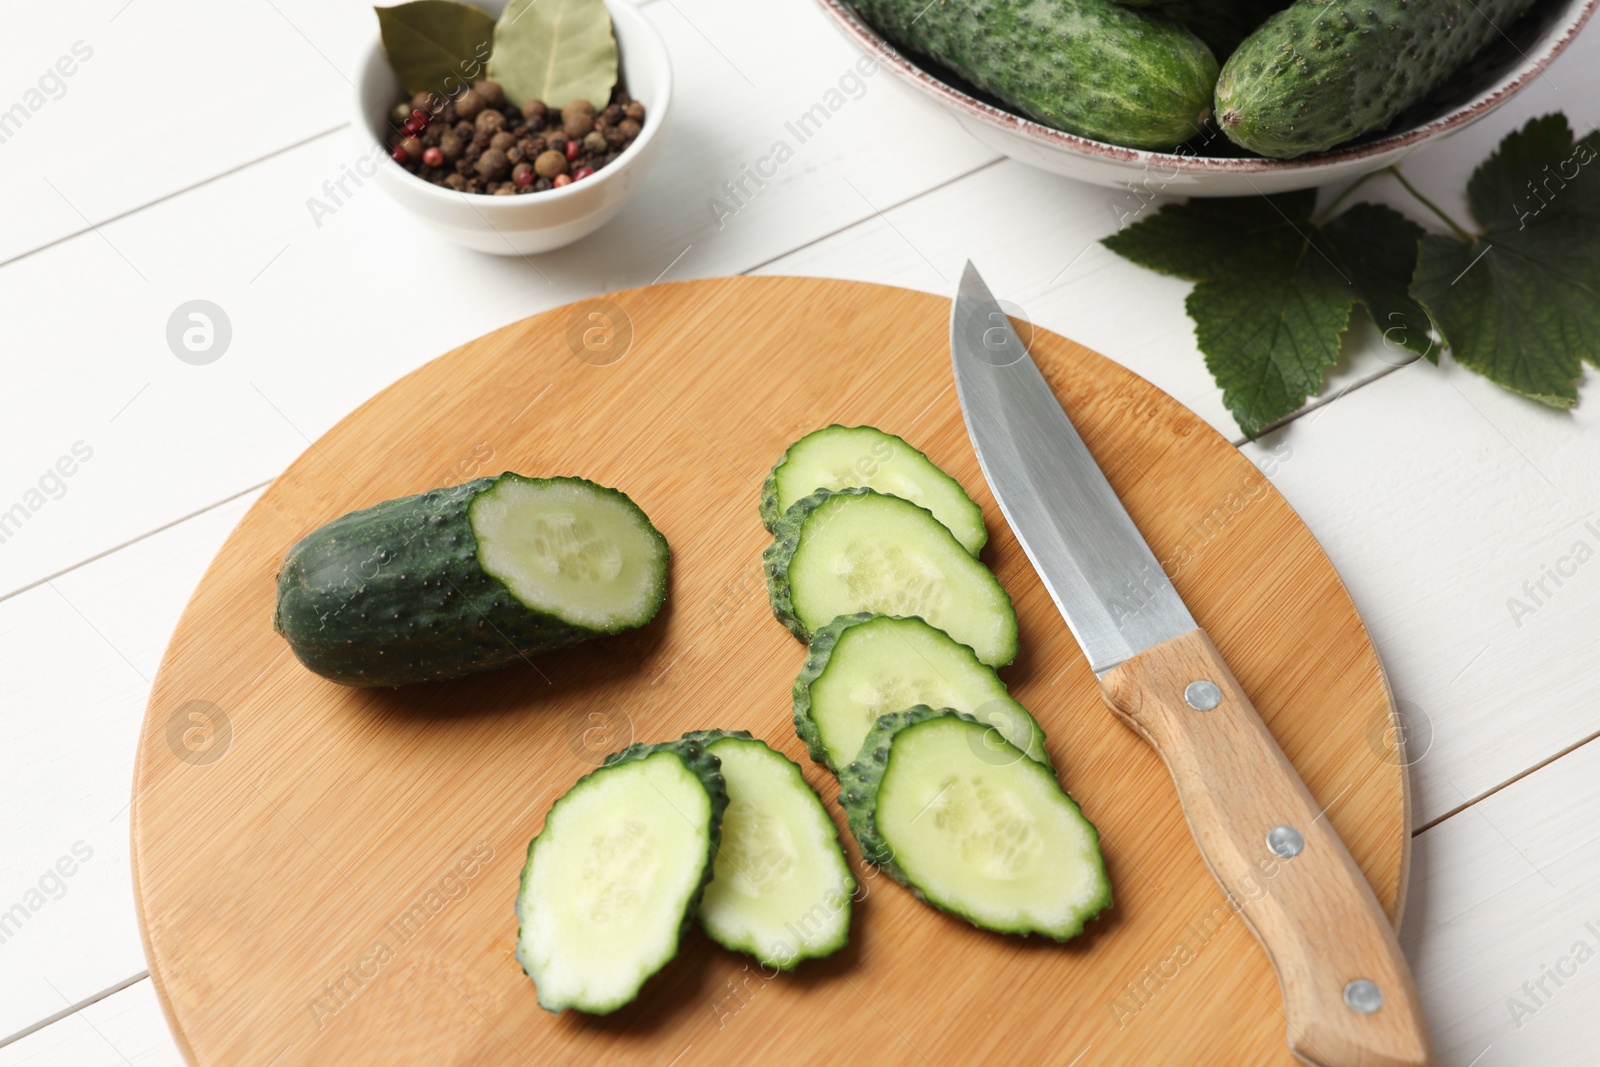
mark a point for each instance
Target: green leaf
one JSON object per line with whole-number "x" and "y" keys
{"x": 1274, "y": 291}
{"x": 556, "y": 51}
{"x": 1521, "y": 303}
{"x": 436, "y": 46}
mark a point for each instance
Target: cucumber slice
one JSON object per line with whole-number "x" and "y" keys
{"x": 468, "y": 578}
{"x": 842, "y": 457}
{"x": 863, "y": 666}
{"x": 781, "y": 888}
{"x": 978, "y": 832}
{"x": 852, "y": 550}
{"x": 616, "y": 874}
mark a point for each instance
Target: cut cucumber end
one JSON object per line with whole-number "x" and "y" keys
{"x": 781, "y": 889}
{"x": 864, "y": 666}
{"x": 983, "y": 833}
{"x": 573, "y": 549}
{"x": 856, "y": 550}
{"x": 613, "y": 876}
{"x": 842, "y": 457}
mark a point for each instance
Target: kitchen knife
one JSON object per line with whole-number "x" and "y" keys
{"x": 1347, "y": 992}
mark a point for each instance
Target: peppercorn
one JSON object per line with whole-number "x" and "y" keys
{"x": 455, "y": 181}
{"x": 523, "y": 174}
{"x": 412, "y": 148}
{"x": 468, "y": 104}
{"x": 550, "y": 163}
{"x": 561, "y": 179}
{"x": 491, "y": 92}
{"x": 634, "y": 110}
{"x": 450, "y": 147}
{"x": 630, "y": 128}
{"x": 502, "y": 140}
{"x": 465, "y": 130}
{"x": 493, "y": 164}
{"x": 577, "y": 118}
{"x": 515, "y": 154}
{"x": 433, "y": 157}
{"x": 504, "y": 189}
{"x": 543, "y": 185}
{"x": 594, "y": 141}
{"x": 612, "y": 115}
{"x": 614, "y": 136}
{"x": 425, "y": 101}
{"x": 582, "y": 173}
{"x": 417, "y": 122}
{"x": 400, "y": 112}
{"x": 534, "y": 111}
{"x": 489, "y": 122}
{"x": 398, "y": 154}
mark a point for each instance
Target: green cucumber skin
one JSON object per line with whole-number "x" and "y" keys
{"x": 1325, "y": 71}
{"x": 817, "y": 656}
{"x": 393, "y": 594}
{"x": 704, "y": 766}
{"x": 775, "y": 559}
{"x": 1089, "y": 67}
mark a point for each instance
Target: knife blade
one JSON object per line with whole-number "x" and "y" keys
{"x": 1349, "y": 999}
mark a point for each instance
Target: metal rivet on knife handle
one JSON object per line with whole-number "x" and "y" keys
{"x": 1202, "y": 695}
{"x": 1285, "y": 842}
{"x": 1363, "y": 996}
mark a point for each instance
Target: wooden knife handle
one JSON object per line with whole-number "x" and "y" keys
{"x": 1311, "y": 909}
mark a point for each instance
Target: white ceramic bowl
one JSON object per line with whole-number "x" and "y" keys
{"x": 1537, "y": 43}
{"x": 528, "y": 222}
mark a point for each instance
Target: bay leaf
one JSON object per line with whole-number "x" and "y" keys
{"x": 555, "y": 51}
{"x": 436, "y": 46}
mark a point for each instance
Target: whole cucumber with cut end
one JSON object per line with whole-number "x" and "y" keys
{"x": 1324, "y": 72}
{"x": 615, "y": 876}
{"x": 979, "y": 831}
{"x": 468, "y": 578}
{"x": 1089, "y": 67}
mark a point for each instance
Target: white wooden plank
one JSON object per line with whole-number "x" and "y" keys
{"x": 1442, "y": 499}
{"x": 76, "y": 655}
{"x": 326, "y": 311}
{"x": 126, "y": 1028}
{"x": 1501, "y": 895}
{"x": 153, "y": 97}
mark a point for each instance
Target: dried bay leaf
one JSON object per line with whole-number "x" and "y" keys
{"x": 555, "y": 51}
{"x": 436, "y": 46}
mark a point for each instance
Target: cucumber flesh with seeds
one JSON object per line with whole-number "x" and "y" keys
{"x": 853, "y": 550}
{"x": 781, "y": 889}
{"x": 615, "y": 875}
{"x": 863, "y": 666}
{"x": 842, "y": 457}
{"x": 468, "y": 578}
{"x": 975, "y": 830}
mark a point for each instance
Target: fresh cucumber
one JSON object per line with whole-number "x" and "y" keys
{"x": 1090, "y": 67}
{"x": 1221, "y": 24}
{"x": 1325, "y": 71}
{"x": 983, "y": 834}
{"x": 615, "y": 875}
{"x": 841, "y": 457}
{"x": 863, "y": 666}
{"x": 468, "y": 578}
{"x": 842, "y": 552}
{"x": 781, "y": 888}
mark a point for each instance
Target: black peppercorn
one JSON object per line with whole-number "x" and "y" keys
{"x": 491, "y": 92}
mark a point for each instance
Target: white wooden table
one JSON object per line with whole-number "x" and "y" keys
{"x": 177, "y": 162}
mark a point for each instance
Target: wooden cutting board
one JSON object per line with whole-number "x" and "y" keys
{"x": 326, "y": 875}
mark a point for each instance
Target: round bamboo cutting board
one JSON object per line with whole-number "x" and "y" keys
{"x": 327, "y": 875}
